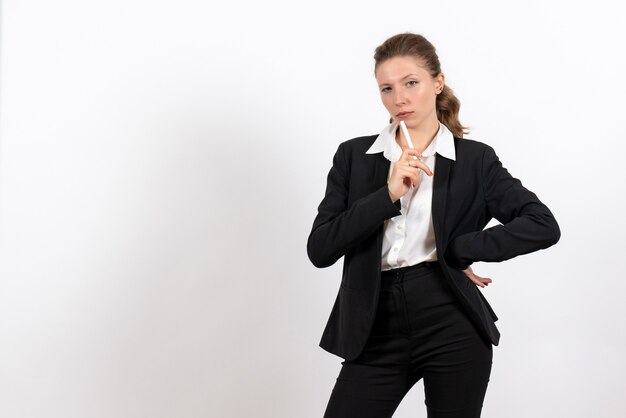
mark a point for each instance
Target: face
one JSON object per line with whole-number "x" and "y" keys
{"x": 408, "y": 91}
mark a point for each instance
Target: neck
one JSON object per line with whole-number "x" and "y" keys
{"x": 421, "y": 135}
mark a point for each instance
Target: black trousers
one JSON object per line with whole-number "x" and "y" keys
{"x": 420, "y": 331}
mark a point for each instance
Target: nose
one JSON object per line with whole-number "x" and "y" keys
{"x": 398, "y": 97}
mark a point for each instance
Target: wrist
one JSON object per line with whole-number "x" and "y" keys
{"x": 391, "y": 196}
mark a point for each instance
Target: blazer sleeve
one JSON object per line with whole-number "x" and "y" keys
{"x": 338, "y": 228}
{"x": 527, "y": 224}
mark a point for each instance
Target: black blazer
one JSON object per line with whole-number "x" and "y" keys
{"x": 467, "y": 194}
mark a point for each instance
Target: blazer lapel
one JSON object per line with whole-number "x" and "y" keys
{"x": 440, "y": 195}
{"x": 381, "y": 171}
{"x": 378, "y": 180}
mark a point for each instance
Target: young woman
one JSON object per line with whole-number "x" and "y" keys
{"x": 409, "y": 221}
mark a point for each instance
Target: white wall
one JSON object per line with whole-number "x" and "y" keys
{"x": 161, "y": 164}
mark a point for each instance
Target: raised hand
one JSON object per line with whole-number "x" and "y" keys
{"x": 406, "y": 172}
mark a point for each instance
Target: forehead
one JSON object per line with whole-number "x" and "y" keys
{"x": 397, "y": 68}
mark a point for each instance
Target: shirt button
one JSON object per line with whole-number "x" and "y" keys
{"x": 395, "y": 249}
{"x": 399, "y": 227}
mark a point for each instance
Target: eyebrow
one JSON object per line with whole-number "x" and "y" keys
{"x": 406, "y": 76}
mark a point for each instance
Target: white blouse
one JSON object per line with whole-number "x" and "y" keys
{"x": 409, "y": 238}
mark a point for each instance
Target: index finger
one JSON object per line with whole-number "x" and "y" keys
{"x": 421, "y": 164}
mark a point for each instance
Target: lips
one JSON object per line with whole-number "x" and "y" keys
{"x": 401, "y": 114}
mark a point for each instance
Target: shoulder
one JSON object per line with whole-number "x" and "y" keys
{"x": 358, "y": 145}
{"x": 470, "y": 145}
{"x": 472, "y": 149}
{"x": 476, "y": 156}
{"x": 352, "y": 149}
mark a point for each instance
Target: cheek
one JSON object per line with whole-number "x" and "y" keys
{"x": 425, "y": 97}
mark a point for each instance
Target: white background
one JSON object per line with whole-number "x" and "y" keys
{"x": 161, "y": 164}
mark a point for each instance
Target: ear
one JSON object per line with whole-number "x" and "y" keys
{"x": 440, "y": 81}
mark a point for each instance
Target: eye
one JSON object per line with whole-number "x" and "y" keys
{"x": 412, "y": 81}
{"x": 385, "y": 89}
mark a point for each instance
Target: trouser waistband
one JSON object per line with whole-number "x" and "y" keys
{"x": 411, "y": 272}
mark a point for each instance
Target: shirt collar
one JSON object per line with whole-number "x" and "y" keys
{"x": 442, "y": 144}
